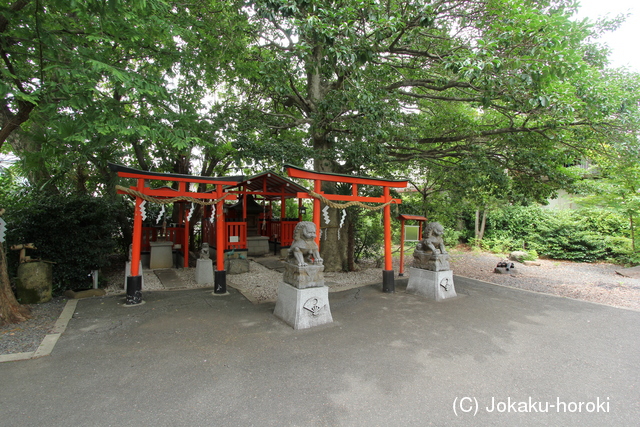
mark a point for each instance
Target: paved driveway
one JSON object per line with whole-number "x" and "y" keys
{"x": 492, "y": 356}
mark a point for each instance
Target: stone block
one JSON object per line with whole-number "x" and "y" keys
{"x": 426, "y": 261}
{"x": 303, "y": 308}
{"x": 161, "y": 255}
{"x": 257, "y": 245}
{"x": 204, "y": 272}
{"x": 303, "y": 277}
{"x": 237, "y": 266}
{"x": 35, "y": 282}
{"x": 434, "y": 285}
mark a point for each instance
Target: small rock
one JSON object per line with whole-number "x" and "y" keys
{"x": 532, "y": 263}
{"x": 518, "y": 256}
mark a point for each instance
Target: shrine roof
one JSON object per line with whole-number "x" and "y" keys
{"x": 412, "y": 217}
{"x": 268, "y": 185}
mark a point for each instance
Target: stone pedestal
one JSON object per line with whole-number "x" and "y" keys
{"x": 303, "y": 277}
{"x": 257, "y": 245}
{"x": 303, "y": 308}
{"x": 127, "y": 273}
{"x": 426, "y": 261}
{"x": 35, "y": 282}
{"x": 435, "y": 285}
{"x": 204, "y": 272}
{"x": 161, "y": 255}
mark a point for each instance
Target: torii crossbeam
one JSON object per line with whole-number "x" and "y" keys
{"x": 388, "y": 284}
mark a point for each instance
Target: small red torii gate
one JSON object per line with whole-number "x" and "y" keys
{"x": 140, "y": 191}
{"x": 388, "y": 284}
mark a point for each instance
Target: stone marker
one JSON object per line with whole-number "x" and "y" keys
{"x": 34, "y": 282}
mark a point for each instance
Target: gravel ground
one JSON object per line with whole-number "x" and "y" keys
{"x": 597, "y": 282}
{"x": 27, "y": 336}
{"x": 589, "y": 282}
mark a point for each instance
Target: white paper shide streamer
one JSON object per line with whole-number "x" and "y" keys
{"x": 160, "y": 215}
{"x": 190, "y": 212}
{"x": 143, "y": 211}
{"x": 325, "y": 212}
{"x": 344, "y": 217}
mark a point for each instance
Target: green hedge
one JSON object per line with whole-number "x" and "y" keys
{"x": 76, "y": 232}
{"x": 584, "y": 235}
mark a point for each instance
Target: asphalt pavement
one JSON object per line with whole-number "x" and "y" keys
{"x": 492, "y": 356}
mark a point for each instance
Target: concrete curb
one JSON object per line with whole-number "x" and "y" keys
{"x": 48, "y": 343}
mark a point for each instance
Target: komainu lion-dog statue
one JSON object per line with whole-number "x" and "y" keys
{"x": 432, "y": 240}
{"x": 304, "y": 250}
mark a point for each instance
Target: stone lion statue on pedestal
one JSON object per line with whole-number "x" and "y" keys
{"x": 303, "y": 250}
{"x": 430, "y": 253}
{"x": 432, "y": 240}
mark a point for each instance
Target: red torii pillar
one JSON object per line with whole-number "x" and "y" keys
{"x": 388, "y": 284}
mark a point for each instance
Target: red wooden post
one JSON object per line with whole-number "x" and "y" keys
{"x": 134, "y": 281}
{"x": 244, "y": 204}
{"x": 401, "y": 272}
{"x": 185, "y": 246}
{"x": 220, "y": 279}
{"x": 388, "y": 284}
{"x": 137, "y": 233}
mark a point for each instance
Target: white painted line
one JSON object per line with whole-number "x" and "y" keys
{"x": 65, "y": 316}
{"x": 46, "y": 346}
{"x": 16, "y": 356}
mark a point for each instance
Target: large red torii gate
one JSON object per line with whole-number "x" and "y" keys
{"x": 141, "y": 192}
{"x": 388, "y": 284}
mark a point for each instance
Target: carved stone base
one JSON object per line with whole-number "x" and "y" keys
{"x": 310, "y": 276}
{"x": 303, "y": 308}
{"x": 435, "y": 285}
{"x": 204, "y": 271}
{"x": 426, "y": 261}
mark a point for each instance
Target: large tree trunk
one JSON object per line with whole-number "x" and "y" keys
{"x": 333, "y": 244}
{"x": 10, "y": 310}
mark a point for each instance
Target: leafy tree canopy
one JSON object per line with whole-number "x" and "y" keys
{"x": 496, "y": 93}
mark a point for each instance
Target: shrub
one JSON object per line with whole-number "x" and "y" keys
{"x": 76, "y": 232}
{"x": 563, "y": 238}
{"x": 585, "y": 235}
